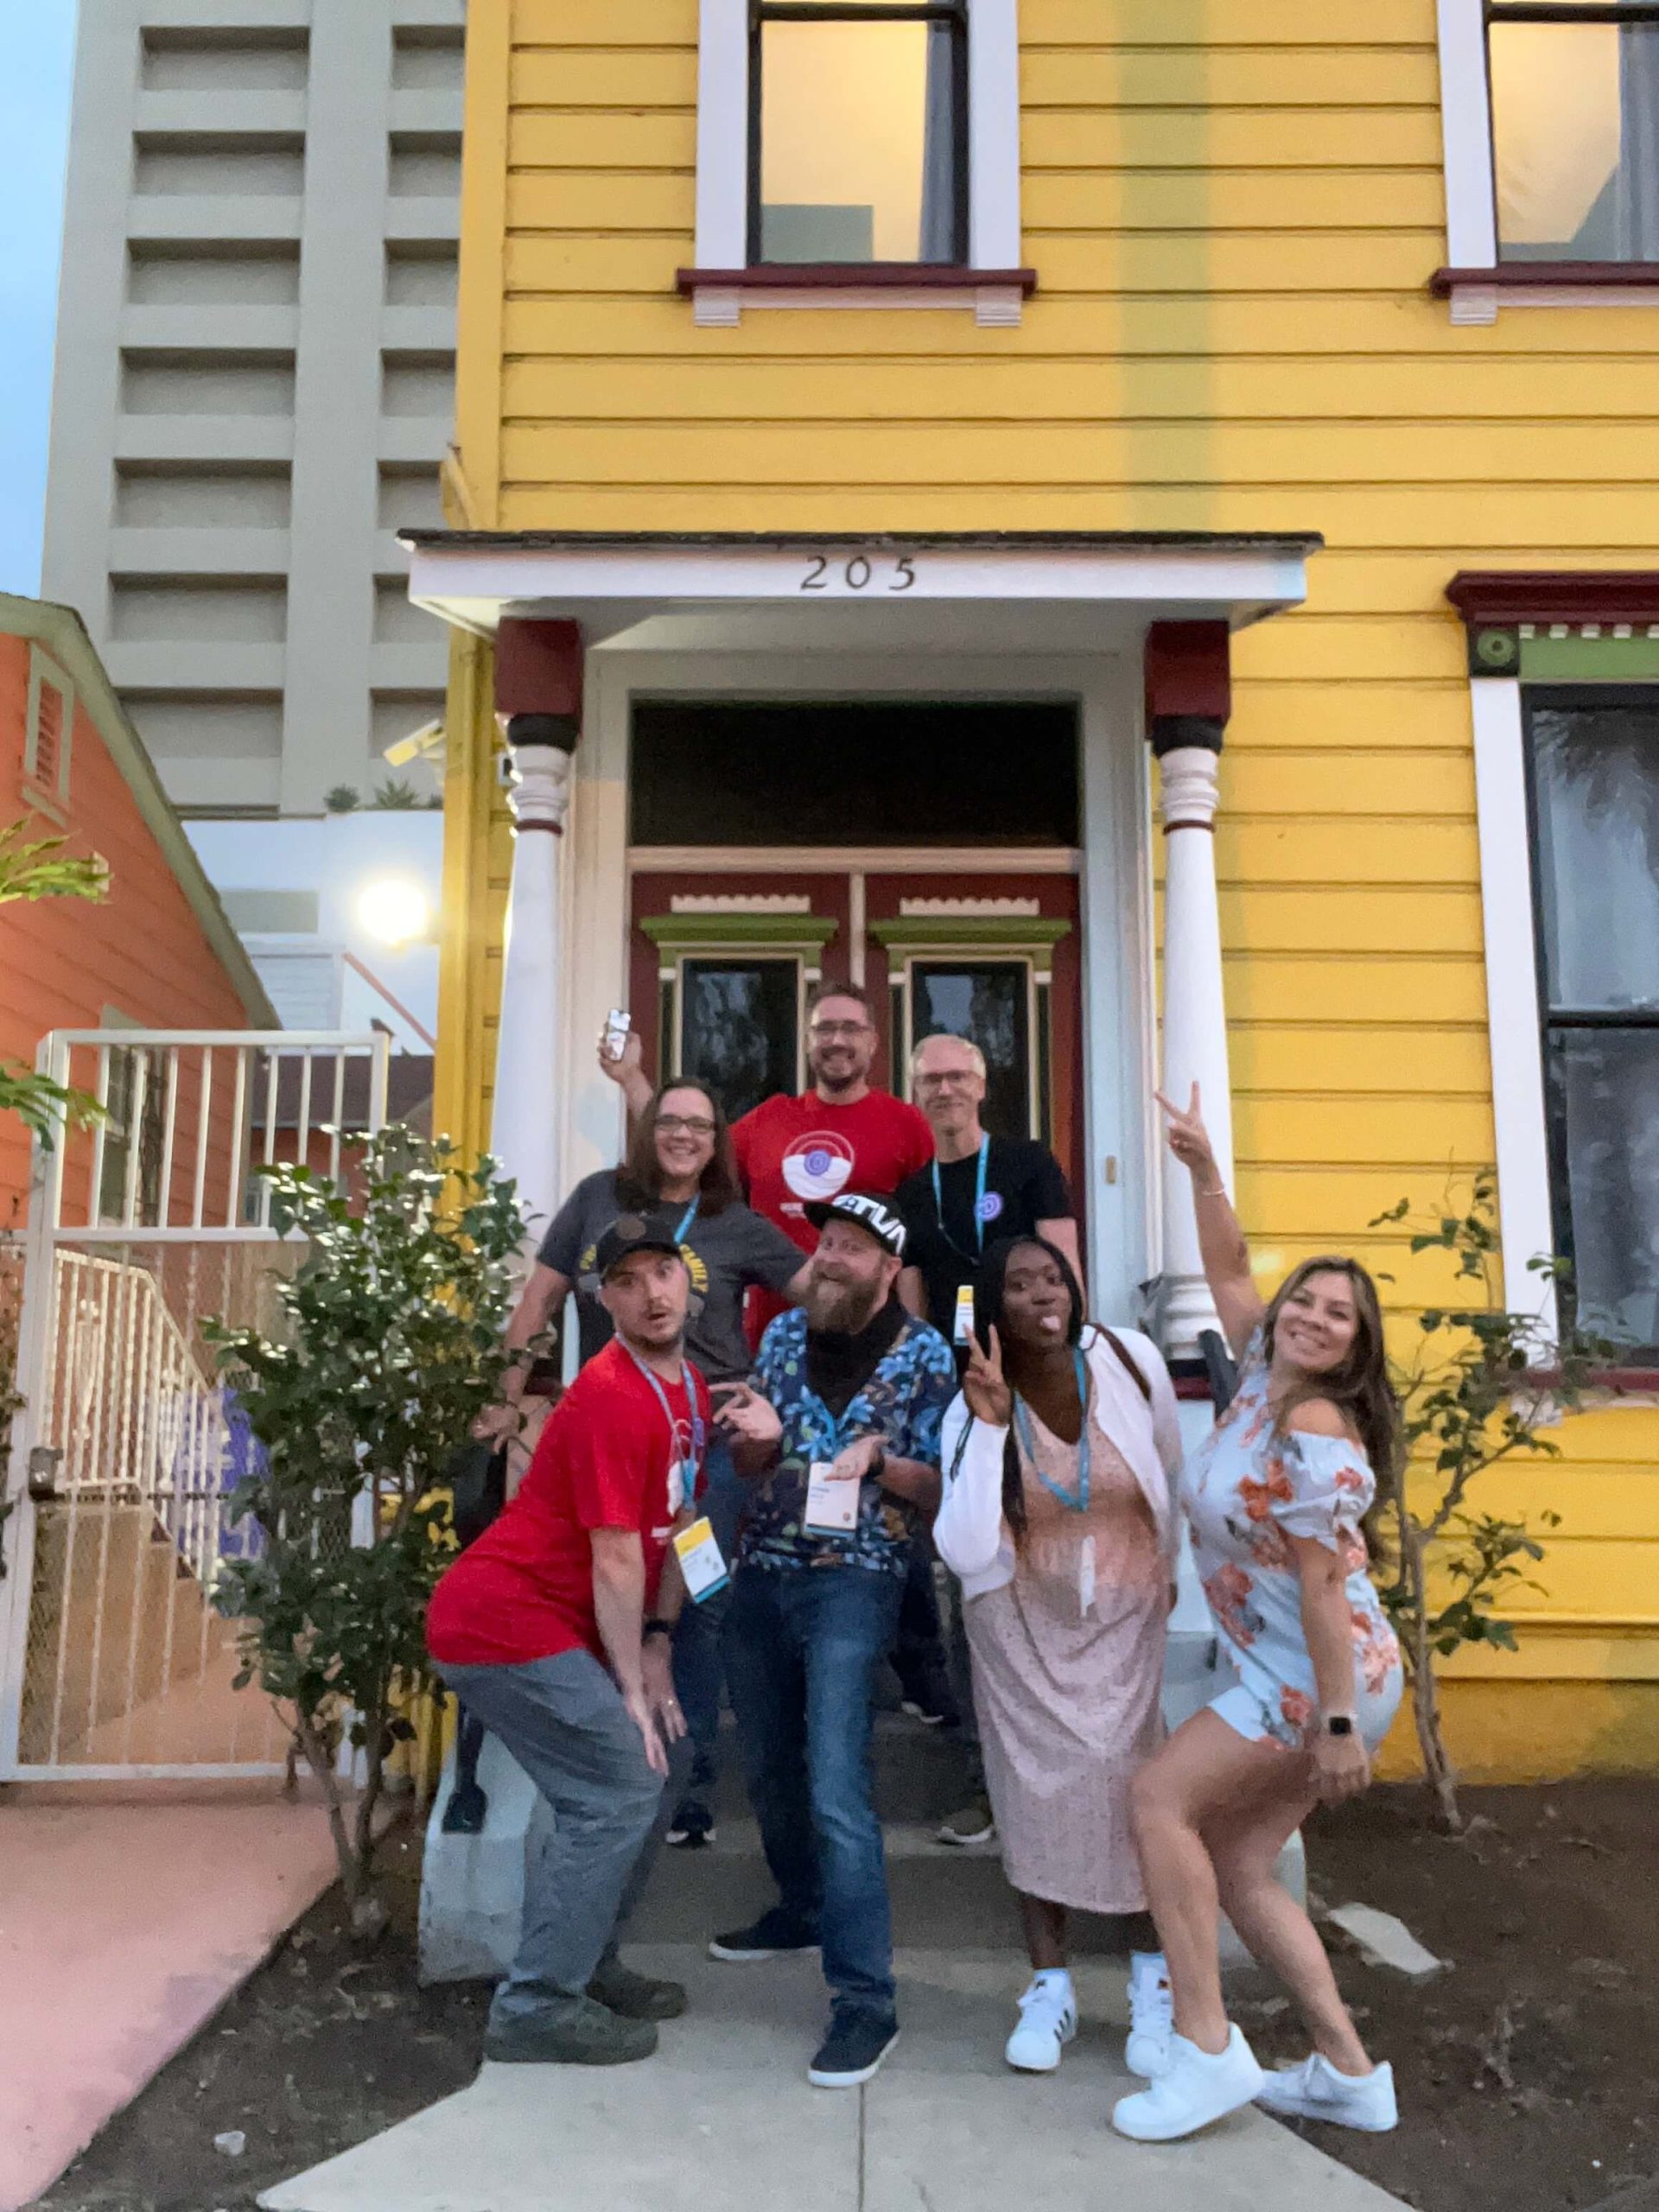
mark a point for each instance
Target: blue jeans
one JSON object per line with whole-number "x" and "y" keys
{"x": 805, "y": 1647}
{"x": 699, "y": 1669}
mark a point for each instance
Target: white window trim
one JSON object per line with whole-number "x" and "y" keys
{"x": 44, "y": 674}
{"x": 1470, "y": 190}
{"x": 994, "y": 223}
{"x": 1514, "y": 1028}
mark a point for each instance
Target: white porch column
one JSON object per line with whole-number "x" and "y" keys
{"x": 1187, "y": 703}
{"x": 472, "y": 1883}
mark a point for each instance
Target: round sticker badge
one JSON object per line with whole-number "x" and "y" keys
{"x": 990, "y": 1206}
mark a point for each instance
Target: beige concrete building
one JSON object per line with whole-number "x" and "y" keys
{"x": 256, "y": 349}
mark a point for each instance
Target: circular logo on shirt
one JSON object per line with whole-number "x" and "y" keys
{"x": 989, "y": 1207}
{"x": 818, "y": 1164}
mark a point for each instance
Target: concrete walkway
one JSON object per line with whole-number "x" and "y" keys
{"x": 724, "y": 2113}
{"x": 123, "y": 1926}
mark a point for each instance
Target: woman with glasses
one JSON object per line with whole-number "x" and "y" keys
{"x": 679, "y": 1168}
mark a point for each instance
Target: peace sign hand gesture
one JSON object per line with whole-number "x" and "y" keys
{"x": 1188, "y": 1138}
{"x": 984, "y": 1385}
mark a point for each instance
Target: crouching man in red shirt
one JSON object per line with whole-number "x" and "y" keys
{"x": 554, "y": 1629}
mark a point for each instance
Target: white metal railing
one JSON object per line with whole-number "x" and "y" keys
{"x": 113, "y": 1663}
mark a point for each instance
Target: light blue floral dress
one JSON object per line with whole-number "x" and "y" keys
{"x": 1246, "y": 1491}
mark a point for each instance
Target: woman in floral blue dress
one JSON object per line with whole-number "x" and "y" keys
{"x": 1276, "y": 1498}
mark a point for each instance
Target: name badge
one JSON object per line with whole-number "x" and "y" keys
{"x": 831, "y": 1507}
{"x": 964, "y": 1332}
{"x": 1086, "y": 1576}
{"x": 679, "y": 1482}
{"x": 701, "y": 1563}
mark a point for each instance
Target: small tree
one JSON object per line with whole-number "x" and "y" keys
{"x": 32, "y": 868}
{"x": 1484, "y": 1384}
{"x": 393, "y": 1346}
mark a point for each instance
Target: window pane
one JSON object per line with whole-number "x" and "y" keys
{"x": 1596, "y": 774}
{"x": 1604, "y": 1087}
{"x": 1575, "y": 120}
{"x": 987, "y": 1003}
{"x": 857, "y": 142}
{"x": 738, "y": 1028}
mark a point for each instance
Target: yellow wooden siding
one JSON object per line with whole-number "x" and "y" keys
{"x": 1233, "y": 207}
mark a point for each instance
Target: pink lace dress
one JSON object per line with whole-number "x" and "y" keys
{"x": 1246, "y": 1491}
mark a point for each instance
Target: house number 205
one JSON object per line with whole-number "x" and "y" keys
{"x": 860, "y": 574}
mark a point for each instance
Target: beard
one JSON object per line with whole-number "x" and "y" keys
{"x": 839, "y": 1308}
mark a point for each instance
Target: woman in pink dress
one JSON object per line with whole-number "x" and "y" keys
{"x": 1060, "y": 1517}
{"x": 1276, "y": 1497}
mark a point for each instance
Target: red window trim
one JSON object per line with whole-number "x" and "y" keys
{"x": 1535, "y": 275}
{"x": 1497, "y": 599}
{"x": 855, "y": 275}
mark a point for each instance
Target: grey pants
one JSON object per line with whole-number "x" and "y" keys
{"x": 564, "y": 1721}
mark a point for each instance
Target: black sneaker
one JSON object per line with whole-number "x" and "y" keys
{"x": 774, "y": 1936}
{"x": 853, "y": 2050}
{"x": 691, "y": 1827}
{"x": 635, "y": 1996}
{"x": 586, "y": 2034}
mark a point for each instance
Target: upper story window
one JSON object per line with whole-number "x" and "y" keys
{"x": 858, "y": 153}
{"x": 1593, "y": 757}
{"x": 858, "y": 132}
{"x": 1574, "y": 91}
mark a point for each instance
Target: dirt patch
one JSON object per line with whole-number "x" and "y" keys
{"x": 325, "y": 2046}
{"x": 1527, "y": 2071}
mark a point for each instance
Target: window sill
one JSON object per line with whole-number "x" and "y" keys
{"x": 719, "y": 296}
{"x": 1477, "y": 293}
{"x": 1610, "y": 1386}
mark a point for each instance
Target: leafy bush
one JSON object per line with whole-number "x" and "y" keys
{"x": 392, "y": 1345}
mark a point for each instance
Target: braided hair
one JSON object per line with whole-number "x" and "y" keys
{"x": 990, "y": 1313}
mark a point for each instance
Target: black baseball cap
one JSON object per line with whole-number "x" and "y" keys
{"x": 868, "y": 1211}
{"x": 632, "y": 1233}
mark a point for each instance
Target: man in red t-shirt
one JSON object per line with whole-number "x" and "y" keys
{"x": 840, "y": 1135}
{"x": 554, "y": 1629}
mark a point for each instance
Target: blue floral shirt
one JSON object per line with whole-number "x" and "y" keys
{"x": 903, "y": 1403}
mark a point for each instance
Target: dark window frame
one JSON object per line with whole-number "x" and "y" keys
{"x": 1564, "y": 1020}
{"x": 1547, "y": 11}
{"x": 951, "y": 12}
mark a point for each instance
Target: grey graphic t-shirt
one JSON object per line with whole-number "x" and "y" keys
{"x": 724, "y": 1253}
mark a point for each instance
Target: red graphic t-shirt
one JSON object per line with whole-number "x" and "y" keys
{"x": 524, "y": 1590}
{"x": 791, "y": 1150}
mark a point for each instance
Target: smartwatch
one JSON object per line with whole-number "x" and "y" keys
{"x": 1338, "y": 1723}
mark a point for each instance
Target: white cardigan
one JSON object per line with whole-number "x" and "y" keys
{"x": 972, "y": 1537}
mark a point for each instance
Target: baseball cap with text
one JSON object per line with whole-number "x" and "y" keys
{"x": 867, "y": 1212}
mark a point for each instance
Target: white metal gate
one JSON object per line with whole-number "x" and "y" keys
{"x": 114, "y": 1663}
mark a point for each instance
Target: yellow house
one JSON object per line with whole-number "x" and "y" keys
{"x": 886, "y": 431}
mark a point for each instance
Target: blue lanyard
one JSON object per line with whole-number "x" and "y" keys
{"x": 687, "y": 1218}
{"x": 979, "y": 1201}
{"x": 699, "y": 1429}
{"x": 1079, "y": 1502}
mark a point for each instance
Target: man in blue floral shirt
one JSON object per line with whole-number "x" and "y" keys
{"x": 839, "y": 1432}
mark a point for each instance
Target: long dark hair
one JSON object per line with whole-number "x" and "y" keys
{"x": 1358, "y": 1386}
{"x": 640, "y": 1179}
{"x": 990, "y": 1313}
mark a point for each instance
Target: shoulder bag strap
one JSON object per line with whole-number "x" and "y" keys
{"x": 1123, "y": 1353}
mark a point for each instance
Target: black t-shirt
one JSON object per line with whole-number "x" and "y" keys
{"x": 1023, "y": 1185}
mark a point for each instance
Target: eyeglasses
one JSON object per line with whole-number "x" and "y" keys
{"x": 938, "y": 1079}
{"x": 686, "y": 1125}
{"x": 838, "y": 1029}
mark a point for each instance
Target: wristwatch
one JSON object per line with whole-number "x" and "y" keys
{"x": 656, "y": 1628}
{"x": 1338, "y": 1723}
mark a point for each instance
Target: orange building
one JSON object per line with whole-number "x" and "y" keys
{"x": 158, "y": 952}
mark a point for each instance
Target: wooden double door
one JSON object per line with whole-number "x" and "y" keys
{"x": 724, "y": 958}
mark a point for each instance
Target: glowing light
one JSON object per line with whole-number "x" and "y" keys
{"x": 395, "y": 911}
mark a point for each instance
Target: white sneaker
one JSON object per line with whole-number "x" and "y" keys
{"x": 1194, "y": 2089}
{"x": 1152, "y": 2016}
{"x": 1048, "y": 2020}
{"x": 1314, "y": 2090}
